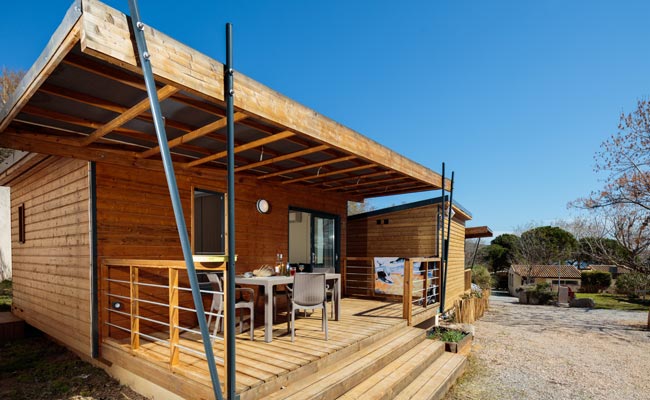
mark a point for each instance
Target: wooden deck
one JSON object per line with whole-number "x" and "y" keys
{"x": 258, "y": 363}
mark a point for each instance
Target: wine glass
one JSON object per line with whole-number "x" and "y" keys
{"x": 301, "y": 267}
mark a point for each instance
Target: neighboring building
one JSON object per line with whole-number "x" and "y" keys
{"x": 523, "y": 275}
{"x": 612, "y": 269}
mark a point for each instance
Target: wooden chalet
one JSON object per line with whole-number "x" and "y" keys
{"x": 97, "y": 263}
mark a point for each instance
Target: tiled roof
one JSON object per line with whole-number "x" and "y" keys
{"x": 547, "y": 271}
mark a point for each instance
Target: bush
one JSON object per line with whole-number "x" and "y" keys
{"x": 481, "y": 276}
{"x": 595, "y": 281}
{"x": 539, "y": 294}
{"x": 629, "y": 283}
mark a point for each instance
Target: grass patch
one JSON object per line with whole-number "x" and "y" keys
{"x": 615, "y": 302}
{"x": 5, "y": 295}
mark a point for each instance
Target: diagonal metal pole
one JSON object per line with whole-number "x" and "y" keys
{"x": 230, "y": 299}
{"x": 138, "y": 30}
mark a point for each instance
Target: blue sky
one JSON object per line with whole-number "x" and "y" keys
{"x": 514, "y": 96}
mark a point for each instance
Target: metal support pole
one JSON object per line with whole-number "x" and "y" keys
{"x": 478, "y": 244}
{"x": 230, "y": 300}
{"x": 150, "y": 83}
{"x": 442, "y": 244}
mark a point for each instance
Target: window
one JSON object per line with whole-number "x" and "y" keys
{"x": 209, "y": 226}
{"x": 21, "y": 223}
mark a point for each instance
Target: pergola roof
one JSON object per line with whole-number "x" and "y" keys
{"x": 85, "y": 98}
{"x": 478, "y": 232}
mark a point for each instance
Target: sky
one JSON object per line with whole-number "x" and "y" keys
{"x": 514, "y": 96}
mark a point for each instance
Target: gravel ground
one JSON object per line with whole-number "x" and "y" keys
{"x": 545, "y": 352}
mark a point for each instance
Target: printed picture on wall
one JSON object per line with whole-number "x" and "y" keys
{"x": 389, "y": 275}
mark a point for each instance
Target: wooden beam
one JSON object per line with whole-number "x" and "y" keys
{"x": 366, "y": 183}
{"x": 285, "y": 157}
{"x": 338, "y": 172}
{"x": 62, "y": 41}
{"x": 128, "y": 115}
{"x": 243, "y": 147}
{"x": 69, "y": 119}
{"x": 308, "y": 166}
{"x": 107, "y": 37}
{"x": 349, "y": 178}
{"x": 105, "y": 105}
{"x": 414, "y": 189}
{"x": 195, "y": 134}
{"x": 20, "y": 141}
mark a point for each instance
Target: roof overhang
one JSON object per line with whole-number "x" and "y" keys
{"x": 478, "y": 232}
{"x": 85, "y": 98}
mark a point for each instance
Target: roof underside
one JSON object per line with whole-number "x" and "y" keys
{"x": 85, "y": 98}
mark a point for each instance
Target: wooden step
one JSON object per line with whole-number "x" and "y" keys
{"x": 390, "y": 380}
{"x": 334, "y": 380}
{"x": 434, "y": 381}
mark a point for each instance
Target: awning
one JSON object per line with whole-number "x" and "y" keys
{"x": 85, "y": 98}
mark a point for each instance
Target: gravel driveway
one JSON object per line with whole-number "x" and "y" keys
{"x": 545, "y": 352}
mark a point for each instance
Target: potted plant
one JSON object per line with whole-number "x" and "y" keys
{"x": 456, "y": 341}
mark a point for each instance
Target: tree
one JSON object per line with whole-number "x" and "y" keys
{"x": 546, "y": 245}
{"x": 625, "y": 197}
{"x": 8, "y": 82}
{"x": 358, "y": 208}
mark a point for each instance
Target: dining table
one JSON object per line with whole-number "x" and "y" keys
{"x": 269, "y": 282}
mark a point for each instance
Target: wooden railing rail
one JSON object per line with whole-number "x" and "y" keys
{"x": 133, "y": 293}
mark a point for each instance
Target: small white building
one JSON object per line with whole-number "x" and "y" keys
{"x": 522, "y": 275}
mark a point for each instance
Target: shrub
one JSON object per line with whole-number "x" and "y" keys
{"x": 629, "y": 283}
{"x": 540, "y": 294}
{"x": 447, "y": 335}
{"x": 481, "y": 276}
{"x": 595, "y": 281}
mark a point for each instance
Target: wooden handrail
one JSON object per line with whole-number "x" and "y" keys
{"x": 166, "y": 264}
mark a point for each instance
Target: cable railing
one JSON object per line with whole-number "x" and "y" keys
{"x": 151, "y": 301}
{"x": 421, "y": 285}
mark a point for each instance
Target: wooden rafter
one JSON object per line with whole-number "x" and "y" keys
{"x": 195, "y": 134}
{"x": 365, "y": 183}
{"x": 128, "y": 115}
{"x": 105, "y": 104}
{"x": 243, "y": 147}
{"x": 69, "y": 119}
{"x": 308, "y": 166}
{"x": 284, "y": 157}
{"x": 355, "y": 177}
{"x": 336, "y": 172}
{"x": 388, "y": 192}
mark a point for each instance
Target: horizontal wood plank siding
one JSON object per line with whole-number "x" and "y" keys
{"x": 51, "y": 270}
{"x": 135, "y": 217}
{"x": 408, "y": 233}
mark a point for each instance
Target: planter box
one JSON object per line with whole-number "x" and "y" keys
{"x": 461, "y": 347}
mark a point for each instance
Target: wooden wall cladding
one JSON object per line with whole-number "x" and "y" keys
{"x": 135, "y": 218}
{"x": 51, "y": 270}
{"x": 406, "y": 233}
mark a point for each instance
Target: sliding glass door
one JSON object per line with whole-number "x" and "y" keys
{"x": 313, "y": 240}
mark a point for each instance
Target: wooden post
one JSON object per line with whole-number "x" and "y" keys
{"x": 104, "y": 302}
{"x": 174, "y": 332}
{"x": 226, "y": 354}
{"x": 344, "y": 270}
{"x": 135, "y": 307}
{"x": 426, "y": 283}
{"x": 408, "y": 291}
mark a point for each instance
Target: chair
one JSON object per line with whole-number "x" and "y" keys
{"x": 309, "y": 293}
{"x": 217, "y": 305}
{"x": 329, "y": 289}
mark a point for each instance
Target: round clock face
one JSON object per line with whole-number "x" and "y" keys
{"x": 262, "y": 206}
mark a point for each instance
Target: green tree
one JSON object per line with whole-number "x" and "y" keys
{"x": 502, "y": 251}
{"x": 546, "y": 245}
